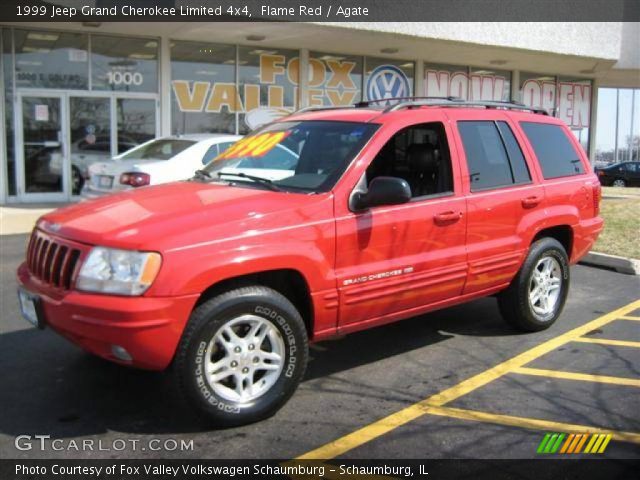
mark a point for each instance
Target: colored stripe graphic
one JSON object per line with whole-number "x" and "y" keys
{"x": 582, "y": 440}
{"x": 574, "y": 443}
{"x": 567, "y": 443}
{"x": 543, "y": 443}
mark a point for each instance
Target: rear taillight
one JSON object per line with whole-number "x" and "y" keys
{"x": 597, "y": 194}
{"x": 135, "y": 179}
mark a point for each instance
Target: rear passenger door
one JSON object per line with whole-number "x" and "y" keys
{"x": 499, "y": 188}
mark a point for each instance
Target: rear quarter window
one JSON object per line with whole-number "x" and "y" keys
{"x": 555, "y": 151}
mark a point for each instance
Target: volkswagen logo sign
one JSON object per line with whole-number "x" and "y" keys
{"x": 387, "y": 81}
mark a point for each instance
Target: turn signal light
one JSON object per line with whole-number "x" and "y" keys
{"x": 135, "y": 179}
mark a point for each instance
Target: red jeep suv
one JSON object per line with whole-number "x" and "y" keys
{"x": 328, "y": 221}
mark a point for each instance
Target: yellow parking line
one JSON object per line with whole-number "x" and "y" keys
{"x": 629, "y": 317}
{"x": 395, "y": 420}
{"x": 630, "y": 382}
{"x": 606, "y": 341}
{"x": 531, "y": 423}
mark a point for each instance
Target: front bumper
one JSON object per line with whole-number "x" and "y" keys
{"x": 148, "y": 328}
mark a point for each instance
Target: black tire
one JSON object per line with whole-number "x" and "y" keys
{"x": 620, "y": 183}
{"x": 203, "y": 324}
{"x": 514, "y": 303}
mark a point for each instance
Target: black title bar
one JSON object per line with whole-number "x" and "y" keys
{"x": 115, "y": 469}
{"x": 319, "y": 10}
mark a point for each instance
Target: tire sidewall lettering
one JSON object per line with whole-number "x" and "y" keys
{"x": 287, "y": 331}
{"x": 201, "y": 383}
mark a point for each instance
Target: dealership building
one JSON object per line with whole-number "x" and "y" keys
{"x": 73, "y": 93}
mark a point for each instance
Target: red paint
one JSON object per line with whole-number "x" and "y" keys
{"x": 361, "y": 269}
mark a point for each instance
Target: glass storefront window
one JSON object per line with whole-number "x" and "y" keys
{"x": 46, "y": 59}
{"x": 124, "y": 64}
{"x": 467, "y": 83}
{"x": 136, "y": 122}
{"x": 334, "y": 79}
{"x": 618, "y": 132}
{"x": 385, "y": 78}
{"x": 268, "y": 82}
{"x": 489, "y": 84}
{"x": 446, "y": 81}
{"x": 574, "y": 106}
{"x": 90, "y": 128}
{"x": 7, "y": 64}
{"x": 203, "y": 88}
{"x": 538, "y": 90}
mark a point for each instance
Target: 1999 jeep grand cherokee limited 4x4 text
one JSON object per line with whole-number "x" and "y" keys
{"x": 362, "y": 216}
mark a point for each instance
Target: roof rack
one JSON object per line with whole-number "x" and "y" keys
{"x": 320, "y": 107}
{"x": 458, "y": 102}
{"x": 367, "y": 103}
{"x": 416, "y": 102}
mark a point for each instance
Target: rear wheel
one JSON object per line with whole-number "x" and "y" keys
{"x": 242, "y": 355}
{"x": 537, "y": 294}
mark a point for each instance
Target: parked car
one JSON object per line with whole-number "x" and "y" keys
{"x": 85, "y": 153}
{"x": 388, "y": 213}
{"x": 157, "y": 161}
{"x": 625, "y": 174}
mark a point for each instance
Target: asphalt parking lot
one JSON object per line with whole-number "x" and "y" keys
{"x": 458, "y": 383}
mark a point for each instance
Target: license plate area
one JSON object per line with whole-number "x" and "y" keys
{"x": 104, "y": 181}
{"x": 31, "y": 308}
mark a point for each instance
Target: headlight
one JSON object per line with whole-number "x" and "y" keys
{"x": 124, "y": 272}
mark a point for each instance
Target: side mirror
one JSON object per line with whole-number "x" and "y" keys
{"x": 383, "y": 191}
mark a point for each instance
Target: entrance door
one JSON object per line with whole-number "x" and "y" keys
{"x": 43, "y": 166}
{"x": 90, "y": 134}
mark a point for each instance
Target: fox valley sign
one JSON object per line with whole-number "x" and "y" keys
{"x": 329, "y": 80}
{"x": 334, "y": 82}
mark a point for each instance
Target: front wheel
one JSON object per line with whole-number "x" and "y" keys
{"x": 242, "y": 355}
{"x": 537, "y": 294}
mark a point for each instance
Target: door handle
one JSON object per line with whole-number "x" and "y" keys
{"x": 531, "y": 202}
{"x": 444, "y": 218}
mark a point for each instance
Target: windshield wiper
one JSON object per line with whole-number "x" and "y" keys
{"x": 202, "y": 174}
{"x": 263, "y": 181}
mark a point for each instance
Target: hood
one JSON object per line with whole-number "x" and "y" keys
{"x": 178, "y": 214}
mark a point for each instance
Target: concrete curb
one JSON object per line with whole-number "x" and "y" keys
{"x": 630, "y": 266}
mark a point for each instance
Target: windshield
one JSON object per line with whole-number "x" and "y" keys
{"x": 161, "y": 149}
{"x": 307, "y": 155}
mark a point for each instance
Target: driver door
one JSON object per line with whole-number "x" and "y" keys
{"x": 393, "y": 261}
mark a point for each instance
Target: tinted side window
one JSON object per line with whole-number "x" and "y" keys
{"x": 554, "y": 150}
{"x": 420, "y": 155}
{"x": 518, "y": 163}
{"x": 486, "y": 155}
